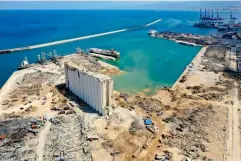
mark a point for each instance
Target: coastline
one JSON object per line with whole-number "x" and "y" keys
{"x": 112, "y": 70}
{"x": 201, "y": 88}
{"x": 17, "y": 74}
{"x": 11, "y": 82}
{"x": 195, "y": 62}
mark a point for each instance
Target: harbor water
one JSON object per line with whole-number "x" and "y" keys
{"x": 148, "y": 63}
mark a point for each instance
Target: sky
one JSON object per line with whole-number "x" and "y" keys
{"x": 113, "y": 0}
{"x": 115, "y": 4}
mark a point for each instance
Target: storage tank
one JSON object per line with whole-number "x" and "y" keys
{"x": 95, "y": 89}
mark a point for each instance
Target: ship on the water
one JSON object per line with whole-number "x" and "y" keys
{"x": 24, "y": 64}
{"x": 200, "y": 25}
{"x": 208, "y": 20}
{"x": 111, "y": 53}
{"x": 152, "y": 32}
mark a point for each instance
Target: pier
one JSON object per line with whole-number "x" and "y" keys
{"x": 196, "y": 60}
{"x": 186, "y": 39}
{"x": 7, "y": 51}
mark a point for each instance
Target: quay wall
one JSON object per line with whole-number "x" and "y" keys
{"x": 195, "y": 62}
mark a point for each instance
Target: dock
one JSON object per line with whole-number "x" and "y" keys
{"x": 7, "y": 51}
{"x": 194, "y": 62}
{"x": 186, "y": 39}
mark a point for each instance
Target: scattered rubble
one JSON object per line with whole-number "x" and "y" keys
{"x": 39, "y": 78}
{"x": 19, "y": 137}
{"x": 136, "y": 126}
{"x": 190, "y": 134}
{"x": 67, "y": 139}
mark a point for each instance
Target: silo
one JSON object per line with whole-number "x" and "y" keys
{"x": 95, "y": 89}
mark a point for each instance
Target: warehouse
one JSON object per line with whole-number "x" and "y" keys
{"x": 95, "y": 89}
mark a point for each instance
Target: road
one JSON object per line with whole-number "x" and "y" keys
{"x": 41, "y": 142}
{"x": 235, "y": 129}
{"x": 233, "y": 141}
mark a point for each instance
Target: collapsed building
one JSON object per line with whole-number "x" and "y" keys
{"x": 95, "y": 89}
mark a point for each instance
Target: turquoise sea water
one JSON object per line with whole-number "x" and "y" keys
{"x": 147, "y": 62}
{"x": 154, "y": 64}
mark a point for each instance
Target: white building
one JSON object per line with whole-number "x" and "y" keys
{"x": 95, "y": 89}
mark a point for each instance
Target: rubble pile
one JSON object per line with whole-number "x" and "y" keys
{"x": 215, "y": 59}
{"x": 39, "y": 78}
{"x": 196, "y": 89}
{"x": 88, "y": 63}
{"x": 209, "y": 93}
{"x": 28, "y": 89}
{"x": 218, "y": 52}
{"x": 67, "y": 139}
{"x": 15, "y": 135}
{"x": 148, "y": 104}
{"x": 212, "y": 96}
{"x": 191, "y": 134}
{"x": 233, "y": 75}
{"x": 227, "y": 83}
{"x": 214, "y": 65}
{"x": 136, "y": 126}
{"x": 183, "y": 79}
{"x": 190, "y": 97}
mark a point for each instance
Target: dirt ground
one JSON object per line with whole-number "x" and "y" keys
{"x": 189, "y": 120}
{"x": 209, "y": 93}
{"x": 38, "y": 93}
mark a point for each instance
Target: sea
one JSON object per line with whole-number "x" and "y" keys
{"x": 148, "y": 63}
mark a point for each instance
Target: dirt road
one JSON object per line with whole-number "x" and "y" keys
{"x": 150, "y": 155}
{"x": 236, "y": 134}
{"x": 41, "y": 143}
{"x": 233, "y": 143}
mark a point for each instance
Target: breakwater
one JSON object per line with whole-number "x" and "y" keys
{"x": 7, "y": 51}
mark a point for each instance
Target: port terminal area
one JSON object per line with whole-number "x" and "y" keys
{"x": 40, "y": 92}
{"x": 37, "y": 92}
{"x": 194, "y": 39}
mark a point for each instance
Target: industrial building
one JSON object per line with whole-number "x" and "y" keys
{"x": 95, "y": 89}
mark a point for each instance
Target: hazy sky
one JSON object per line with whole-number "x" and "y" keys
{"x": 119, "y": 0}
{"x": 115, "y": 4}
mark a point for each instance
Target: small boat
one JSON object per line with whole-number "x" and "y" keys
{"x": 112, "y": 52}
{"x": 24, "y": 64}
{"x": 152, "y": 32}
